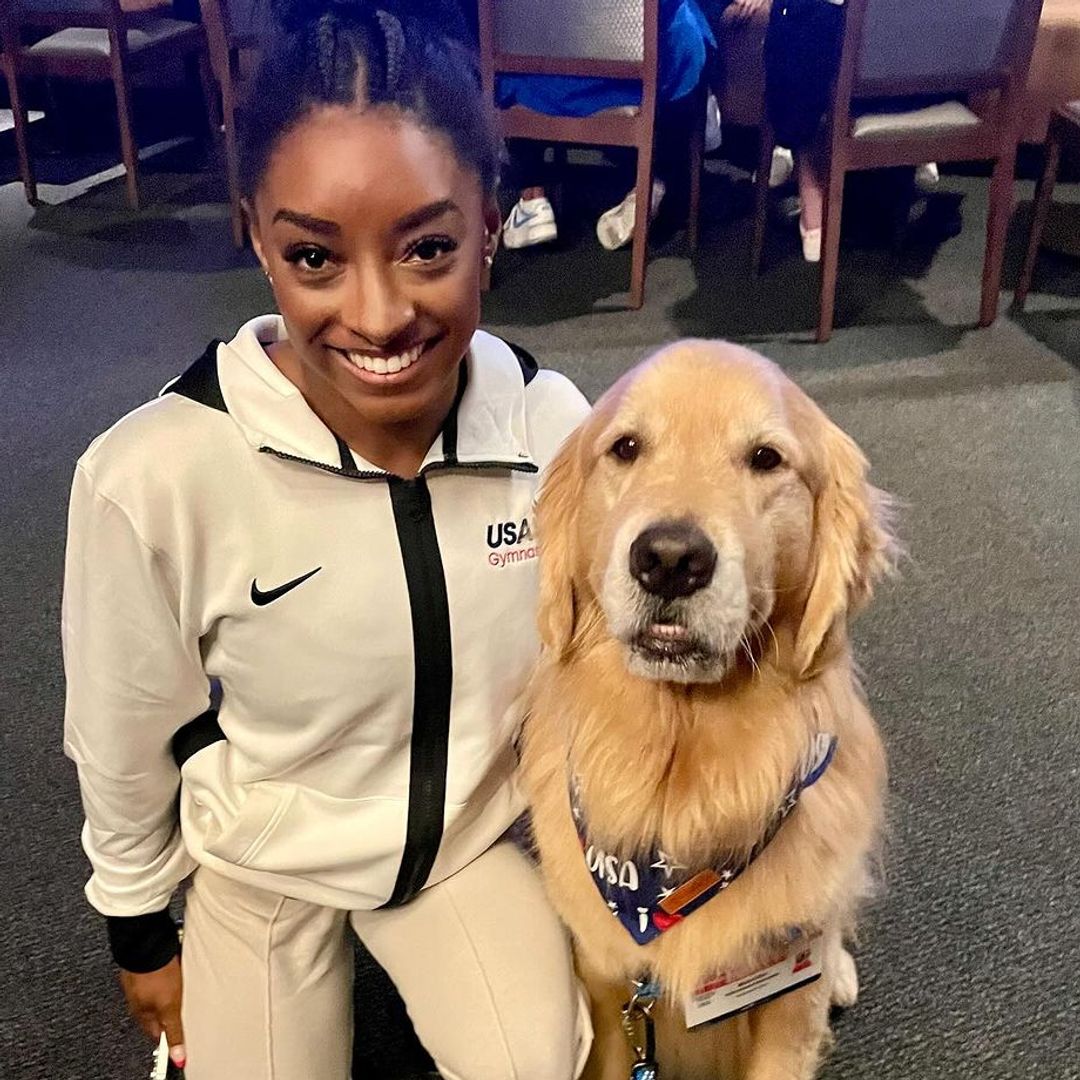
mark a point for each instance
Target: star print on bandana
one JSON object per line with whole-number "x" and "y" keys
{"x": 667, "y": 864}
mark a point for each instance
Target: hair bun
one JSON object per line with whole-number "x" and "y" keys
{"x": 443, "y": 16}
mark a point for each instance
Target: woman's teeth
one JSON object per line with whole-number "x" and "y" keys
{"x": 386, "y": 365}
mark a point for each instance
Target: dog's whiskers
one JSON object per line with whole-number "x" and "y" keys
{"x": 759, "y": 622}
{"x": 750, "y": 655}
{"x": 772, "y": 590}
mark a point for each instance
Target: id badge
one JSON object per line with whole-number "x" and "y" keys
{"x": 732, "y": 993}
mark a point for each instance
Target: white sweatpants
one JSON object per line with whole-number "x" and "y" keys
{"x": 480, "y": 959}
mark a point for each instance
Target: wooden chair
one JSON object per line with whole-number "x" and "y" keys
{"x": 959, "y": 49}
{"x": 1064, "y": 132}
{"x": 96, "y": 41}
{"x": 8, "y": 50}
{"x": 232, "y": 28}
{"x": 615, "y": 39}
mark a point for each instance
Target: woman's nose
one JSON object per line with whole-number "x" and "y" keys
{"x": 377, "y": 307}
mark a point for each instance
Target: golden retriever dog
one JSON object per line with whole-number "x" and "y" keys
{"x": 705, "y": 536}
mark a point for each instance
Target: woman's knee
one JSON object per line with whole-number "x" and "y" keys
{"x": 548, "y": 1041}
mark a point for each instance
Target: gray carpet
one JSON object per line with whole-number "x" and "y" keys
{"x": 969, "y": 958}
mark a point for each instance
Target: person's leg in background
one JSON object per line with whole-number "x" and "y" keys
{"x": 484, "y": 967}
{"x": 687, "y": 47}
{"x": 267, "y": 985}
{"x": 531, "y": 219}
{"x": 810, "y": 173}
{"x": 675, "y": 124}
{"x": 714, "y": 10}
{"x": 802, "y": 55}
{"x": 615, "y": 227}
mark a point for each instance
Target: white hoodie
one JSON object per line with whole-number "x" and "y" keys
{"x": 370, "y": 634}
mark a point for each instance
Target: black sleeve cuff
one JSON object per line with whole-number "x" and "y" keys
{"x": 142, "y": 943}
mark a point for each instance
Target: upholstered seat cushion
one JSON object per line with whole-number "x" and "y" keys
{"x": 90, "y": 41}
{"x": 943, "y": 119}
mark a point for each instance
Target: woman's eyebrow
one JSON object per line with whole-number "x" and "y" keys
{"x": 426, "y": 214}
{"x": 306, "y": 221}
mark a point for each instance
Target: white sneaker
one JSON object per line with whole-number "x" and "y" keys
{"x": 616, "y": 226}
{"x": 811, "y": 243}
{"x": 783, "y": 165}
{"x": 531, "y": 221}
{"x": 927, "y": 176}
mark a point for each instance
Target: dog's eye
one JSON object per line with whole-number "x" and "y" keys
{"x": 765, "y": 459}
{"x": 627, "y": 448}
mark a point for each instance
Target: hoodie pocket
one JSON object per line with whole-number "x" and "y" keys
{"x": 239, "y": 839}
{"x": 287, "y": 829}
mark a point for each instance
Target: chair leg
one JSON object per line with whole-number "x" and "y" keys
{"x": 560, "y": 163}
{"x": 830, "y": 251}
{"x": 128, "y": 148}
{"x": 1044, "y": 193}
{"x": 643, "y": 190}
{"x": 209, "y": 93}
{"x": 697, "y": 165}
{"x": 767, "y": 143}
{"x": 22, "y": 133}
{"x": 232, "y": 163}
{"x": 1002, "y": 185}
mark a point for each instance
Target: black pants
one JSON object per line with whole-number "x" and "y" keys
{"x": 802, "y": 57}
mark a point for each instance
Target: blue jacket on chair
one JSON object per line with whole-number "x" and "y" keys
{"x": 685, "y": 38}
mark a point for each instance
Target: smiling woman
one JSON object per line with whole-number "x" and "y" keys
{"x": 304, "y": 518}
{"x": 378, "y": 283}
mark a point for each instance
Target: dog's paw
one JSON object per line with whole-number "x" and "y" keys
{"x": 845, "y": 987}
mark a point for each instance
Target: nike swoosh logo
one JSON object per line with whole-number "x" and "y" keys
{"x": 521, "y": 217}
{"x": 261, "y": 599}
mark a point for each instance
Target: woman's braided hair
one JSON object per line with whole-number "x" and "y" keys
{"x": 412, "y": 55}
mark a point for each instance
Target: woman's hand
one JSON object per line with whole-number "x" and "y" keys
{"x": 153, "y": 998}
{"x": 742, "y": 10}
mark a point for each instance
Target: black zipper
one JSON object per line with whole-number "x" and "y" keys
{"x": 427, "y": 470}
{"x": 456, "y": 466}
{"x": 433, "y": 680}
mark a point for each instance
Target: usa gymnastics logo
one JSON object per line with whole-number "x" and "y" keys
{"x": 510, "y": 542}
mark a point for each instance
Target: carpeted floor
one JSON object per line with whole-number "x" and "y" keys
{"x": 969, "y": 959}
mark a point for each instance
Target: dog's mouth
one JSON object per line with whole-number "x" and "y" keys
{"x": 669, "y": 641}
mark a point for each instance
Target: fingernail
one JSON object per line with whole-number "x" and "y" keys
{"x": 179, "y": 1058}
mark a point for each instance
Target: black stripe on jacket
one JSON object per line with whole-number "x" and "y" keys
{"x": 433, "y": 680}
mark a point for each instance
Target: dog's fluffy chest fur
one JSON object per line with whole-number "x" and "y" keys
{"x": 700, "y": 774}
{"x": 696, "y": 771}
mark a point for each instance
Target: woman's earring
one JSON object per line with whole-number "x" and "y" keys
{"x": 488, "y": 258}
{"x": 269, "y": 276}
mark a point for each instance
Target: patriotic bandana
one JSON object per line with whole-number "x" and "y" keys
{"x": 653, "y": 892}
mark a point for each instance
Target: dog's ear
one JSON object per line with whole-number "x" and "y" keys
{"x": 561, "y": 492}
{"x": 853, "y": 543}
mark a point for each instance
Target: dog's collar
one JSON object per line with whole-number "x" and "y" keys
{"x": 652, "y": 892}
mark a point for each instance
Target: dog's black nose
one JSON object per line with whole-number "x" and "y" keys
{"x": 672, "y": 559}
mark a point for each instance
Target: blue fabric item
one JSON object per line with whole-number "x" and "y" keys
{"x": 653, "y": 892}
{"x": 685, "y": 38}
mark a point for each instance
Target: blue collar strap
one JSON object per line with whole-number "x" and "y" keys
{"x": 653, "y": 892}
